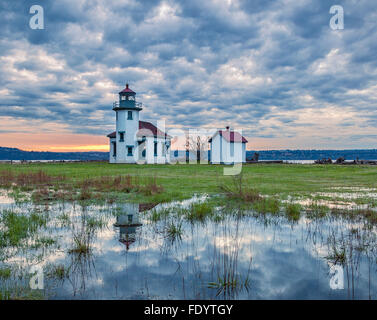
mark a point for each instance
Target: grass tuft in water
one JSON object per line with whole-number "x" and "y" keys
{"x": 337, "y": 256}
{"x": 174, "y": 231}
{"x": 59, "y": 272}
{"x": 267, "y": 205}
{"x": 238, "y": 191}
{"x": 158, "y": 214}
{"x": 293, "y": 211}
{"x": 224, "y": 285}
{"x": 317, "y": 211}
{"x": 64, "y": 219}
{"x": 199, "y": 211}
{"x": 94, "y": 223}
{"x": 43, "y": 242}
{"x": 85, "y": 193}
{"x": 82, "y": 242}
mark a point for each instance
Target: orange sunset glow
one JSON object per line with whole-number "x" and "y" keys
{"x": 55, "y": 142}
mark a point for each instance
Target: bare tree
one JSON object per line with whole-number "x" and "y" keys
{"x": 197, "y": 145}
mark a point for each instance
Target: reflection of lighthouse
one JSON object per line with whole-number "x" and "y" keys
{"x": 128, "y": 222}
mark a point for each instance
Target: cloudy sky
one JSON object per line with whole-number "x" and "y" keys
{"x": 273, "y": 68}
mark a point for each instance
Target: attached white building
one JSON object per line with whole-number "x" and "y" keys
{"x": 228, "y": 147}
{"x": 136, "y": 141}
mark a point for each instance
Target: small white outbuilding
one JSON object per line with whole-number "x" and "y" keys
{"x": 228, "y": 147}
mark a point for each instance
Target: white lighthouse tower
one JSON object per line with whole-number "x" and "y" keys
{"x": 127, "y": 125}
{"x": 135, "y": 140}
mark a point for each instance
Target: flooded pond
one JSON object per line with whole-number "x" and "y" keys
{"x": 143, "y": 251}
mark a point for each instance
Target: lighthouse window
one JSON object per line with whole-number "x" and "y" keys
{"x": 121, "y": 136}
{"x": 129, "y": 115}
{"x": 129, "y": 151}
{"x": 114, "y": 149}
{"x": 155, "y": 149}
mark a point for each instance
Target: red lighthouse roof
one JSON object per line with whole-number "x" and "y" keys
{"x": 145, "y": 129}
{"x": 127, "y": 90}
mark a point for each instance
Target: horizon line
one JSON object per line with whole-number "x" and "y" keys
{"x": 184, "y": 150}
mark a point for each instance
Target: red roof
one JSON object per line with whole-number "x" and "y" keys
{"x": 231, "y": 136}
{"x": 146, "y": 206}
{"x": 127, "y": 242}
{"x": 145, "y": 129}
{"x": 112, "y": 135}
{"x": 127, "y": 90}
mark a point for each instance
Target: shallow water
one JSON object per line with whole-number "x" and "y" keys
{"x": 269, "y": 256}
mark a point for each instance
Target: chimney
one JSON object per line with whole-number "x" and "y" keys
{"x": 126, "y": 85}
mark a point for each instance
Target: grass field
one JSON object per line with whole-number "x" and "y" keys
{"x": 64, "y": 207}
{"x": 183, "y": 181}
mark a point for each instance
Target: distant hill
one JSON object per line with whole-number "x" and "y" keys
{"x": 17, "y": 154}
{"x": 362, "y": 154}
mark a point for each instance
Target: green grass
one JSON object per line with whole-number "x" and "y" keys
{"x": 18, "y": 227}
{"x": 5, "y": 272}
{"x": 183, "y": 181}
{"x": 20, "y": 293}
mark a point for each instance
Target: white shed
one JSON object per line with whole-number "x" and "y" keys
{"x": 228, "y": 147}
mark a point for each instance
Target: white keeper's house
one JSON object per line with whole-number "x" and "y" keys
{"x": 228, "y": 147}
{"x": 136, "y": 141}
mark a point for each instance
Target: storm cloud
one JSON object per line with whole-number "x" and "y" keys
{"x": 273, "y": 68}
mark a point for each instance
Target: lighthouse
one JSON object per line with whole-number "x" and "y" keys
{"x": 127, "y": 124}
{"x": 134, "y": 140}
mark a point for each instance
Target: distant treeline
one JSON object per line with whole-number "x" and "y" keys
{"x": 362, "y": 154}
